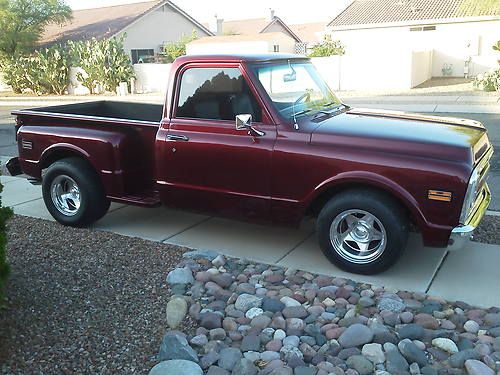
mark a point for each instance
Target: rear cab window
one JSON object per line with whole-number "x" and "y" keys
{"x": 216, "y": 94}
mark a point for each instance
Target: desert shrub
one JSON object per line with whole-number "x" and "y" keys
{"x": 489, "y": 81}
{"x": 43, "y": 72}
{"x": 173, "y": 50}
{"x": 104, "y": 62}
{"x": 5, "y": 214}
{"x": 328, "y": 47}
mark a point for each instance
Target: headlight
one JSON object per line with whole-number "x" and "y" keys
{"x": 470, "y": 196}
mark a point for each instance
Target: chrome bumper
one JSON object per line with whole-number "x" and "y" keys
{"x": 462, "y": 234}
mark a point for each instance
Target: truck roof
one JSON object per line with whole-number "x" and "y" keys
{"x": 240, "y": 57}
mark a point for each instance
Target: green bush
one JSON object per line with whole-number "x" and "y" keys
{"x": 5, "y": 214}
{"x": 173, "y": 50}
{"x": 328, "y": 47}
{"x": 43, "y": 72}
{"x": 489, "y": 81}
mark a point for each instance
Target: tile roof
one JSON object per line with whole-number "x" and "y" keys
{"x": 310, "y": 32}
{"x": 103, "y": 22}
{"x": 363, "y": 12}
{"x": 255, "y": 26}
{"x": 242, "y": 38}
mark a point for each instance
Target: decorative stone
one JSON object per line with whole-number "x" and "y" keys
{"x": 374, "y": 353}
{"x": 471, "y": 326}
{"x": 229, "y": 357}
{"x": 175, "y": 367}
{"x": 359, "y": 363}
{"x": 210, "y": 320}
{"x": 355, "y": 335}
{"x": 289, "y": 302}
{"x": 272, "y": 305}
{"x": 475, "y": 367}
{"x": 176, "y": 311}
{"x": 245, "y": 302}
{"x": 175, "y": 346}
{"x": 245, "y": 367}
{"x": 180, "y": 276}
{"x": 254, "y": 312}
{"x": 412, "y": 353}
{"x": 250, "y": 343}
{"x": 391, "y": 305}
{"x": 445, "y": 344}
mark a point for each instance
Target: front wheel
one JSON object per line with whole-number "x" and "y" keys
{"x": 362, "y": 231}
{"x": 73, "y": 193}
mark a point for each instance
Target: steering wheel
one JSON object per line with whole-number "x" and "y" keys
{"x": 304, "y": 97}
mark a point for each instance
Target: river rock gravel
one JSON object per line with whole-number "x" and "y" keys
{"x": 82, "y": 301}
{"x": 271, "y": 321}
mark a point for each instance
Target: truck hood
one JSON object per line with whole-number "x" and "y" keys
{"x": 400, "y": 132}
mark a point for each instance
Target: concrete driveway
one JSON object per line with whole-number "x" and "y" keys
{"x": 470, "y": 275}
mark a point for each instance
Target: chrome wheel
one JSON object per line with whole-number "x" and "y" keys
{"x": 65, "y": 195}
{"x": 358, "y": 236}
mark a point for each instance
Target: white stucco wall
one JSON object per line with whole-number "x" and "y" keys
{"x": 421, "y": 67}
{"x": 387, "y": 52}
{"x": 286, "y": 45}
{"x": 158, "y": 27}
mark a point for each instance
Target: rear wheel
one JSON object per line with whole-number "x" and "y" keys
{"x": 73, "y": 193}
{"x": 362, "y": 231}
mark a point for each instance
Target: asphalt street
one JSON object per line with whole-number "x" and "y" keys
{"x": 8, "y": 145}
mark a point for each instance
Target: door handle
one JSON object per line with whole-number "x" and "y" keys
{"x": 174, "y": 137}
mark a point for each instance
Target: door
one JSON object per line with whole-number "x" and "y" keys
{"x": 210, "y": 165}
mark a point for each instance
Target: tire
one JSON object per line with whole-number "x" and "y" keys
{"x": 73, "y": 193}
{"x": 362, "y": 231}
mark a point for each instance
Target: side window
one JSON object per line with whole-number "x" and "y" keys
{"x": 216, "y": 94}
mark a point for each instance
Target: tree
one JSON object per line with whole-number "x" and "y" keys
{"x": 328, "y": 47}
{"x": 478, "y": 7}
{"x": 23, "y": 21}
{"x": 173, "y": 50}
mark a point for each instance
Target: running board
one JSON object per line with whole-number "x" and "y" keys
{"x": 148, "y": 198}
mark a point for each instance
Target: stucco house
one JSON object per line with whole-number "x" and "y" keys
{"x": 147, "y": 25}
{"x": 250, "y": 43}
{"x": 402, "y": 43}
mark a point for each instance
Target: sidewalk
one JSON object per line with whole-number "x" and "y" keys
{"x": 414, "y": 103}
{"x": 470, "y": 275}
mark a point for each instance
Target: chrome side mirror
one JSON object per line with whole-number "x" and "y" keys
{"x": 244, "y": 122}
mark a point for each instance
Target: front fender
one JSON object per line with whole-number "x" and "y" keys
{"x": 359, "y": 178}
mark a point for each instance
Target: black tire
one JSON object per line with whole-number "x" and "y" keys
{"x": 93, "y": 203}
{"x": 355, "y": 203}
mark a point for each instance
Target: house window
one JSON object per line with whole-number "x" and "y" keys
{"x": 141, "y": 55}
{"x": 423, "y": 28}
{"x": 276, "y": 48}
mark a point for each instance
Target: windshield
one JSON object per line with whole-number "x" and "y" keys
{"x": 296, "y": 88}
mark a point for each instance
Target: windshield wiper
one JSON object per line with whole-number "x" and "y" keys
{"x": 322, "y": 112}
{"x": 303, "y": 112}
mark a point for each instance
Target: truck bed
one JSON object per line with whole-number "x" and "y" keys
{"x": 119, "y": 136}
{"x": 116, "y": 111}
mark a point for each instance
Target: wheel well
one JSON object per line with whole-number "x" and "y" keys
{"x": 319, "y": 202}
{"x": 59, "y": 154}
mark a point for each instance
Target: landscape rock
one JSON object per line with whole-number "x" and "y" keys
{"x": 475, "y": 367}
{"x": 176, "y": 367}
{"x": 374, "y": 353}
{"x": 176, "y": 311}
{"x": 229, "y": 357}
{"x": 245, "y": 302}
{"x": 180, "y": 276}
{"x": 445, "y": 344}
{"x": 355, "y": 335}
{"x": 359, "y": 363}
{"x": 175, "y": 346}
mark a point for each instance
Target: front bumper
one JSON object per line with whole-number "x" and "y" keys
{"x": 462, "y": 234}
{"x": 14, "y": 167}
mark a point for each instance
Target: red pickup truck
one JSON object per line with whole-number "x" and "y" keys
{"x": 263, "y": 138}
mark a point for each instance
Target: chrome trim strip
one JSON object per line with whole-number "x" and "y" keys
{"x": 83, "y": 117}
